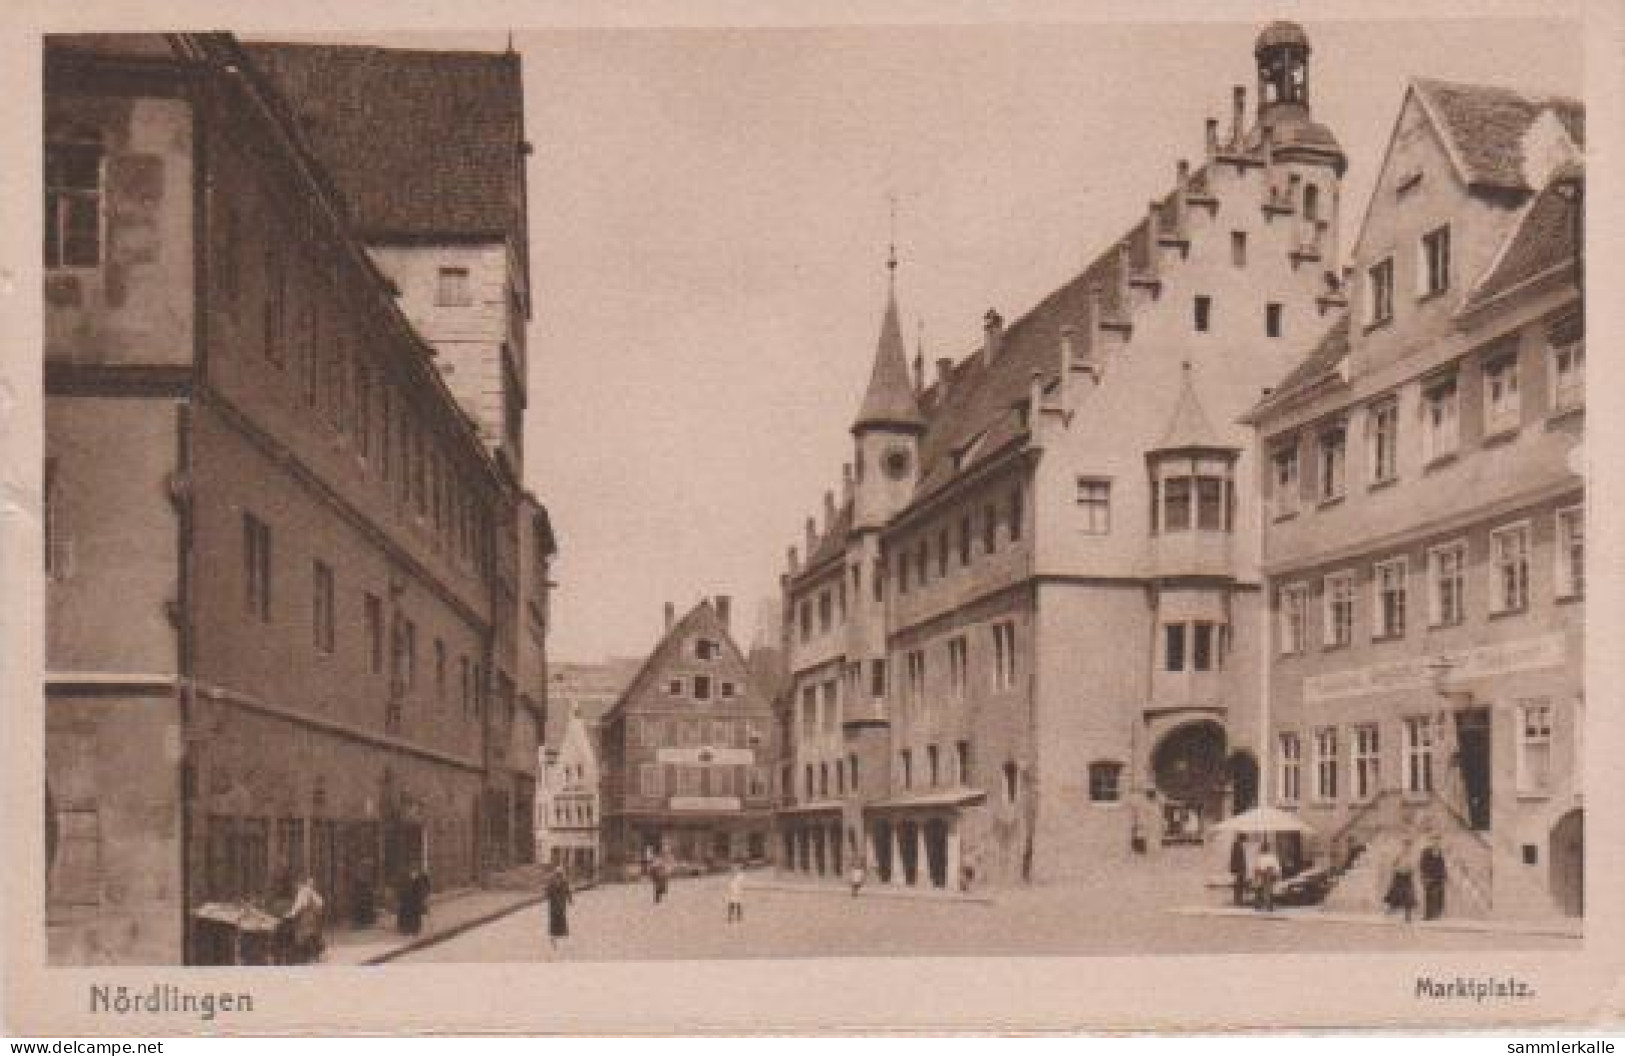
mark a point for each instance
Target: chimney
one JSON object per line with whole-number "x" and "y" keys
{"x": 846, "y": 482}
{"x": 993, "y": 329}
{"x": 724, "y": 606}
{"x": 1035, "y": 398}
{"x": 1182, "y": 182}
{"x": 1238, "y": 110}
{"x": 1069, "y": 351}
{"x": 671, "y": 616}
{"x": 1124, "y": 260}
{"x": 829, "y": 510}
{"x": 1267, "y": 146}
{"x": 792, "y": 559}
{"x": 919, "y": 372}
{"x": 1292, "y": 181}
{"x": 1212, "y": 137}
{"x": 945, "y": 370}
{"x": 812, "y": 536}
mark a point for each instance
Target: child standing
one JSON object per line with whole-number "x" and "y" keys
{"x": 736, "y": 895}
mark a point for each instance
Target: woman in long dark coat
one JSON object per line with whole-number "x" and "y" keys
{"x": 558, "y": 906}
{"x": 413, "y": 903}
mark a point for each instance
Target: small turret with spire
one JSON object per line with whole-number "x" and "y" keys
{"x": 887, "y": 429}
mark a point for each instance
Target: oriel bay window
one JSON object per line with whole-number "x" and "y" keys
{"x": 1189, "y": 493}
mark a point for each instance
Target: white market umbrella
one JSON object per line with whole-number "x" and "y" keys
{"x": 1263, "y": 820}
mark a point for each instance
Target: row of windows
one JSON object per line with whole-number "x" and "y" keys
{"x": 1432, "y": 273}
{"x": 939, "y": 767}
{"x": 916, "y": 565}
{"x": 1439, "y": 426}
{"x": 1202, "y": 312}
{"x": 699, "y": 687}
{"x": 1003, "y": 671}
{"x": 572, "y": 812}
{"x": 661, "y": 779}
{"x": 1197, "y": 645}
{"x": 1358, "y": 748}
{"x": 1446, "y": 586}
{"x": 651, "y": 732}
{"x": 401, "y": 635}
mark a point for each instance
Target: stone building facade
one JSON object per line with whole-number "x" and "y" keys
{"x": 686, "y": 751}
{"x": 1425, "y": 530}
{"x": 1023, "y": 638}
{"x": 250, "y": 446}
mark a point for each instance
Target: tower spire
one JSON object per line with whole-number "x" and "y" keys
{"x": 890, "y": 400}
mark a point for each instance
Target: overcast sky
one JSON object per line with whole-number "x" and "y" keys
{"x": 708, "y": 215}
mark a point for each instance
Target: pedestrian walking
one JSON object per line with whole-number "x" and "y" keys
{"x": 1434, "y": 872}
{"x": 1402, "y": 888}
{"x": 1238, "y": 868}
{"x": 855, "y": 878}
{"x": 1266, "y": 870}
{"x": 558, "y": 896}
{"x": 659, "y": 876}
{"x": 736, "y": 895}
{"x": 412, "y": 903}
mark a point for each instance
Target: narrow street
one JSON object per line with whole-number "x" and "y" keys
{"x": 620, "y": 921}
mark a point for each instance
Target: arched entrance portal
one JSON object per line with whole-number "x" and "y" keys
{"x": 1243, "y": 772}
{"x": 1567, "y": 861}
{"x": 1191, "y": 772}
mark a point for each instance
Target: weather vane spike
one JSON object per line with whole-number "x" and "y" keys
{"x": 891, "y": 255}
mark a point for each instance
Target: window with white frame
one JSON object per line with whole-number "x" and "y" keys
{"x": 1389, "y": 617}
{"x": 1339, "y": 588}
{"x": 1440, "y": 420}
{"x": 1331, "y": 450}
{"x": 1568, "y": 374}
{"x": 73, "y": 200}
{"x": 1433, "y": 271}
{"x": 1367, "y": 761}
{"x": 1534, "y": 747}
{"x": 1326, "y": 764}
{"x": 1294, "y": 618}
{"x": 1284, "y": 477}
{"x": 1501, "y": 410}
{"x": 1447, "y": 584}
{"x": 1105, "y": 782}
{"x": 1380, "y": 292}
{"x": 1383, "y": 423}
{"x": 649, "y": 783}
{"x": 1203, "y": 645}
{"x": 1095, "y": 505}
{"x": 1418, "y": 754}
{"x": 1291, "y": 768}
{"x": 1571, "y": 552}
{"x": 1004, "y": 656}
{"x": 1509, "y": 557}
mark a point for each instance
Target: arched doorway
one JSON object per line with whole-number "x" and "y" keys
{"x": 1566, "y": 859}
{"x": 1243, "y": 771}
{"x": 1190, "y": 768}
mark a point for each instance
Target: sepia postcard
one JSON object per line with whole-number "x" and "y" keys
{"x": 777, "y": 519}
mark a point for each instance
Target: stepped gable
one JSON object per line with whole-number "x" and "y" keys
{"x": 1486, "y": 124}
{"x": 419, "y": 143}
{"x": 1542, "y": 240}
{"x": 980, "y": 406}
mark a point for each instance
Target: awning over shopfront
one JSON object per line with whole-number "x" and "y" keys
{"x": 951, "y": 797}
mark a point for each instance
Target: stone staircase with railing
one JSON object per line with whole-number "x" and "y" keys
{"x": 1374, "y": 837}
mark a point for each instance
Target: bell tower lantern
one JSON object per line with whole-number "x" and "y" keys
{"x": 1282, "y": 52}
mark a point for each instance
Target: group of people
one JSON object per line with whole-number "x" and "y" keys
{"x": 1261, "y": 872}
{"x": 1430, "y": 865}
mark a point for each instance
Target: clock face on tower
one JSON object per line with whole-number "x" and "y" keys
{"x": 895, "y": 462}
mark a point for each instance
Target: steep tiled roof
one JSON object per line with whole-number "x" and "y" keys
{"x": 889, "y": 399}
{"x": 1189, "y": 426}
{"x": 1543, "y": 239}
{"x": 833, "y": 541}
{"x": 701, "y": 618}
{"x": 419, "y": 143}
{"x": 1314, "y": 369}
{"x": 1486, "y": 126}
